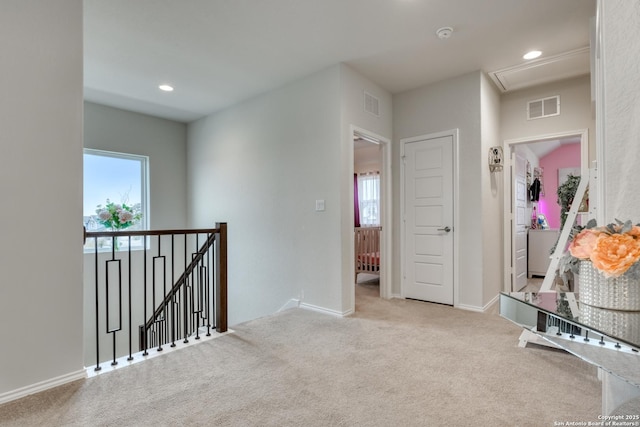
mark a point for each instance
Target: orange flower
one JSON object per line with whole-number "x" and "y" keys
{"x": 582, "y": 245}
{"x": 614, "y": 254}
{"x": 635, "y": 231}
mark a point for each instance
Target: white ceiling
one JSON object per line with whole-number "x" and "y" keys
{"x": 219, "y": 52}
{"x": 542, "y": 148}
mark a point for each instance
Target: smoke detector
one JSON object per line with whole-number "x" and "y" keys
{"x": 444, "y": 33}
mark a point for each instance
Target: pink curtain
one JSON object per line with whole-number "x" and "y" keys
{"x": 356, "y": 205}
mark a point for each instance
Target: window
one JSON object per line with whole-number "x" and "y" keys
{"x": 369, "y": 199}
{"x": 118, "y": 179}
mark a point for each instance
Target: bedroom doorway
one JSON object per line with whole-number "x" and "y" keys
{"x": 544, "y": 162}
{"x": 371, "y": 214}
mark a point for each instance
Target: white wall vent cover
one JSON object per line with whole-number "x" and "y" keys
{"x": 371, "y": 104}
{"x": 545, "y": 107}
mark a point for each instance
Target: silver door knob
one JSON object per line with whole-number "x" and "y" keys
{"x": 446, "y": 229}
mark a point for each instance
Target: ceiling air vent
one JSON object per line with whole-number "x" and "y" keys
{"x": 371, "y": 104}
{"x": 545, "y": 107}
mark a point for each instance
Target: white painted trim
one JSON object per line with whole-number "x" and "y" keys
{"x": 471, "y": 308}
{"x": 483, "y": 309}
{"x": 324, "y": 310}
{"x": 386, "y": 236}
{"x": 454, "y": 134}
{"x": 600, "y": 98}
{"x": 508, "y": 145}
{"x": 292, "y": 303}
{"x": 493, "y": 301}
{"x": 42, "y": 386}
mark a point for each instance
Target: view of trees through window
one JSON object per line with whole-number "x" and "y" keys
{"x": 115, "y": 190}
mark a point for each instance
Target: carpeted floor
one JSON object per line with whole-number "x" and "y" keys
{"x": 393, "y": 363}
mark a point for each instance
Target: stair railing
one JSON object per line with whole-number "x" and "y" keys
{"x": 135, "y": 283}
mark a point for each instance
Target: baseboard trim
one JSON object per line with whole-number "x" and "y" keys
{"x": 470, "y": 308}
{"x": 42, "y": 386}
{"x": 292, "y": 303}
{"x": 479, "y": 309}
{"x": 326, "y": 310}
{"x": 490, "y": 304}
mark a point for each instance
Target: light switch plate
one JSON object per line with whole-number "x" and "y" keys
{"x": 319, "y": 205}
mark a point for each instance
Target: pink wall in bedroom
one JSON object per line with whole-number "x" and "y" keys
{"x": 565, "y": 156}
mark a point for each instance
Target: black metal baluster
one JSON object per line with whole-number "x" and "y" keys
{"x": 184, "y": 294}
{"x": 165, "y": 305}
{"x": 97, "y": 368}
{"x": 208, "y": 293}
{"x": 159, "y": 327}
{"x": 173, "y": 278}
{"x": 130, "y": 358}
{"x": 109, "y": 329}
{"x": 195, "y": 297}
{"x": 145, "y": 332}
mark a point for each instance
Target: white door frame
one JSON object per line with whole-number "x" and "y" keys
{"x": 453, "y": 133}
{"x": 583, "y": 134}
{"x": 385, "y": 213}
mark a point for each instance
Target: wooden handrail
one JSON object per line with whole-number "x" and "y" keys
{"x": 150, "y": 232}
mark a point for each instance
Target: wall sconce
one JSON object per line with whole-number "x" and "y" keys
{"x": 495, "y": 159}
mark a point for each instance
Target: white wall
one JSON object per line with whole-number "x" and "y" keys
{"x": 492, "y": 193}
{"x": 352, "y": 88}
{"x": 260, "y": 166}
{"x": 621, "y": 61}
{"x": 450, "y": 104}
{"x": 575, "y": 111}
{"x": 41, "y": 193}
{"x": 163, "y": 141}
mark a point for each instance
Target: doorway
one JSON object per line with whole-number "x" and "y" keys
{"x": 532, "y": 217}
{"x": 371, "y": 242}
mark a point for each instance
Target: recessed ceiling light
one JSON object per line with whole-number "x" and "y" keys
{"x": 166, "y": 88}
{"x": 532, "y": 55}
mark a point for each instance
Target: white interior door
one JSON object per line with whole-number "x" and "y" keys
{"x": 520, "y": 223}
{"x": 428, "y": 214}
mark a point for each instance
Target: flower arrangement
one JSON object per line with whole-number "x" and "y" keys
{"x": 614, "y": 249}
{"x": 118, "y": 216}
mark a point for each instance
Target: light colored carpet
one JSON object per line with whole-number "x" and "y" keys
{"x": 394, "y": 363}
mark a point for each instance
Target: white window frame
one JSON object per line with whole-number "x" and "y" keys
{"x": 374, "y": 175}
{"x": 144, "y": 190}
